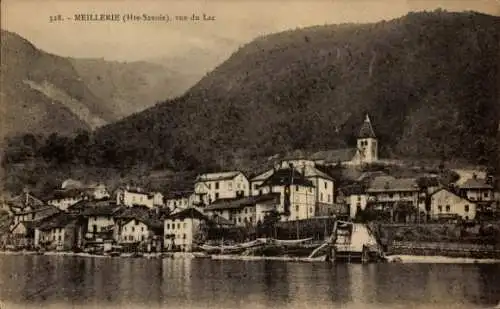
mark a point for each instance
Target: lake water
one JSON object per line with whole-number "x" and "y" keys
{"x": 78, "y": 282}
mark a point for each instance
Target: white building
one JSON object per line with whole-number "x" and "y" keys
{"x": 356, "y": 199}
{"x": 297, "y": 189}
{"x": 324, "y": 185}
{"x": 139, "y": 229}
{"x": 214, "y": 186}
{"x": 181, "y": 229}
{"x": 100, "y": 220}
{"x": 399, "y": 196}
{"x": 445, "y": 203}
{"x": 130, "y": 197}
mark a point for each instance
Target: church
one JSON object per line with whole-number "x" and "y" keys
{"x": 365, "y": 152}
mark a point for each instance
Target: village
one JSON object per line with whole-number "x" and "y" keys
{"x": 297, "y": 191}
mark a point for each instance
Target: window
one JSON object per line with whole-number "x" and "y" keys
{"x": 447, "y": 208}
{"x": 466, "y": 208}
{"x": 359, "y": 198}
{"x": 296, "y": 188}
{"x": 59, "y": 238}
{"x": 246, "y": 210}
{"x": 310, "y": 189}
{"x": 310, "y": 210}
{"x": 178, "y": 225}
{"x": 184, "y": 236}
{"x": 296, "y": 207}
{"x": 440, "y": 208}
{"x": 168, "y": 226}
{"x": 124, "y": 228}
{"x": 239, "y": 220}
{"x": 391, "y": 195}
{"x": 142, "y": 237}
{"x": 255, "y": 186}
{"x": 142, "y": 228}
{"x": 485, "y": 194}
{"x": 230, "y": 186}
{"x": 216, "y": 195}
{"x": 321, "y": 196}
{"x": 329, "y": 198}
{"x": 209, "y": 186}
{"x": 217, "y": 186}
{"x": 133, "y": 229}
{"x": 326, "y": 185}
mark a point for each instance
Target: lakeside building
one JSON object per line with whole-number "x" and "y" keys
{"x": 61, "y": 232}
{"x": 181, "y": 229}
{"x": 136, "y": 226}
{"x": 210, "y": 187}
{"x": 477, "y": 189}
{"x": 246, "y": 211}
{"x": 447, "y": 204}
{"x": 398, "y": 197}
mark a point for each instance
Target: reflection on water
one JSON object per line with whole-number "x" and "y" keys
{"x": 73, "y": 282}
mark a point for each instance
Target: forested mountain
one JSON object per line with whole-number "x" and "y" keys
{"x": 429, "y": 80}
{"x": 44, "y": 93}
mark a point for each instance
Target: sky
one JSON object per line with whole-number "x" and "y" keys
{"x": 236, "y": 22}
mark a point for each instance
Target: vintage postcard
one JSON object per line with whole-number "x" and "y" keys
{"x": 250, "y": 154}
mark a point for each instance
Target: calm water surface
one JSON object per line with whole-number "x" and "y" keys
{"x": 76, "y": 282}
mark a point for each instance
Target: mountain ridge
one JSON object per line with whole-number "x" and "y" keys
{"x": 309, "y": 88}
{"x": 47, "y": 93}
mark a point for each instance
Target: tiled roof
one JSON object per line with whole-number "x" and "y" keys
{"x": 65, "y": 193}
{"x": 285, "y": 176}
{"x": 24, "y": 200}
{"x": 263, "y": 176}
{"x": 311, "y": 171}
{"x": 475, "y": 183}
{"x": 191, "y": 213}
{"x": 217, "y": 176}
{"x": 334, "y": 155}
{"x": 60, "y": 220}
{"x": 107, "y": 210}
{"x": 179, "y": 194}
{"x": 389, "y": 183}
{"x": 366, "y": 130}
{"x": 237, "y": 203}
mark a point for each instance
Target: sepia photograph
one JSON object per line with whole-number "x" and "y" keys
{"x": 250, "y": 154}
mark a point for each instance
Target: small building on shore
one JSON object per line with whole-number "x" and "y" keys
{"x": 446, "y": 204}
{"x": 213, "y": 186}
{"x": 61, "y": 232}
{"x": 181, "y": 229}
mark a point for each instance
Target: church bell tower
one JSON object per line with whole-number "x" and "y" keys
{"x": 367, "y": 143}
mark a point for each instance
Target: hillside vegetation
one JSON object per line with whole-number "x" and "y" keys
{"x": 429, "y": 81}
{"x": 44, "y": 93}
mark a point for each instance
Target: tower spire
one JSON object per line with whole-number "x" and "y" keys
{"x": 366, "y": 130}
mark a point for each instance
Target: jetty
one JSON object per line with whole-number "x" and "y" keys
{"x": 348, "y": 242}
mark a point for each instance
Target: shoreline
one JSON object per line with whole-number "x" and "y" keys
{"x": 394, "y": 258}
